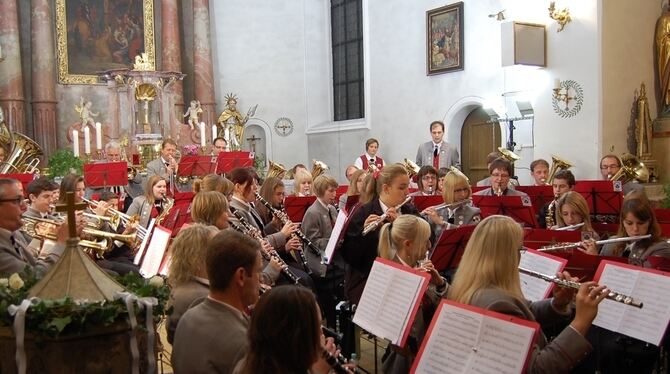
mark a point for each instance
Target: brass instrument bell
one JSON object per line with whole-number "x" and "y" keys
{"x": 276, "y": 170}
{"x": 631, "y": 169}
{"x": 509, "y": 155}
{"x": 318, "y": 168}
{"x": 411, "y": 167}
{"x": 557, "y": 164}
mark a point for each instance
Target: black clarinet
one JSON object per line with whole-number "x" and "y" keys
{"x": 252, "y": 232}
{"x": 334, "y": 363}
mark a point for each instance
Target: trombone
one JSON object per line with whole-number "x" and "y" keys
{"x": 126, "y": 219}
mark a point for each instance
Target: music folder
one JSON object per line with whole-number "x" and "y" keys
{"x": 519, "y": 208}
{"x": 106, "y": 174}
{"x": 335, "y": 236}
{"x": 296, "y": 206}
{"x": 227, "y": 161}
{"x": 151, "y": 263}
{"x": 604, "y": 198}
{"x": 539, "y": 195}
{"x": 583, "y": 265}
{"x": 423, "y": 202}
{"x": 196, "y": 166}
{"x": 450, "y": 247}
{"x": 535, "y": 289}
{"x": 649, "y": 286}
{"x": 24, "y": 178}
{"x": 466, "y": 339}
{"x": 390, "y": 300}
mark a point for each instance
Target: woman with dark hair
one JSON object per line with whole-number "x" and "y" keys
{"x": 285, "y": 335}
{"x": 426, "y": 180}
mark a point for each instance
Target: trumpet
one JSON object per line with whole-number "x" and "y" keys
{"x": 96, "y": 221}
{"x": 108, "y": 239}
{"x": 614, "y": 296}
{"x": 126, "y": 219}
{"x": 45, "y": 229}
{"x": 373, "y": 226}
{"x": 569, "y": 246}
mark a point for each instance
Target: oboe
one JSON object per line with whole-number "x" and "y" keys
{"x": 615, "y": 296}
{"x": 373, "y": 226}
{"x": 567, "y": 246}
{"x": 251, "y": 231}
{"x": 335, "y": 363}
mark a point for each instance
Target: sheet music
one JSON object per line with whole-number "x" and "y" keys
{"x": 648, "y": 323}
{"x": 466, "y": 341}
{"x": 335, "y": 236}
{"x": 147, "y": 236}
{"x": 155, "y": 251}
{"x": 388, "y": 299}
{"x": 535, "y": 289}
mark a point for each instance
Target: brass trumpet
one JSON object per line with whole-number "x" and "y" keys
{"x": 126, "y": 219}
{"x": 96, "y": 221}
{"x": 108, "y": 239}
{"x": 45, "y": 229}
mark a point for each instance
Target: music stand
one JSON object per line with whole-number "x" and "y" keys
{"x": 227, "y": 161}
{"x": 662, "y": 215}
{"x": 450, "y": 247}
{"x": 476, "y": 189}
{"x": 196, "y": 166}
{"x": 605, "y": 229}
{"x": 604, "y": 199}
{"x": 519, "y": 208}
{"x": 106, "y": 174}
{"x": 537, "y": 238}
{"x": 659, "y": 263}
{"x": 24, "y": 178}
{"x": 583, "y": 265}
{"x": 539, "y": 195}
{"x": 296, "y": 206}
{"x": 423, "y": 202}
{"x": 350, "y": 203}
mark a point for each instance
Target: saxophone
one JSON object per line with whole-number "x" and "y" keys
{"x": 550, "y": 219}
{"x": 167, "y": 206}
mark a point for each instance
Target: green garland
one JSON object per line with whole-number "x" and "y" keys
{"x": 63, "y": 163}
{"x": 66, "y": 316}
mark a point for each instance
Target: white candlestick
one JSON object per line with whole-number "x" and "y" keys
{"x": 214, "y": 133}
{"x": 75, "y": 143}
{"x": 557, "y": 83}
{"x": 203, "y": 135}
{"x": 87, "y": 140}
{"x": 98, "y": 135}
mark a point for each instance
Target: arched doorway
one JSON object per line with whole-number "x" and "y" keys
{"x": 479, "y": 137}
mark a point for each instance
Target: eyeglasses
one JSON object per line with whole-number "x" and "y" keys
{"x": 501, "y": 176}
{"x": 428, "y": 177}
{"x": 17, "y": 200}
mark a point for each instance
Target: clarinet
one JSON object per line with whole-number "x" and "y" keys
{"x": 335, "y": 363}
{"x": 251, "y": 231}
{"x": 614, "y": 296}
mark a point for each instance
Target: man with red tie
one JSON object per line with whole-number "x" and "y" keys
{"x": 370, "y": 157}
{"x": 437, "y": 153}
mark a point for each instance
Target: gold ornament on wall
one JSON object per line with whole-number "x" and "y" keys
{"x": 561, "y": 16}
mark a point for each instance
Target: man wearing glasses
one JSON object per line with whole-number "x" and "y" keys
{"x": 14, "y": 252}
{"x": 500, "y": 171}
{"x": 609, "y": 166}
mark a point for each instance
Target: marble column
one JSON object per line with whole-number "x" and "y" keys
{"x": 11, "y": 76}
{"x": 202, "y": 61}
{"x": 171, "y": 54}
{"x": 43, "y": 77}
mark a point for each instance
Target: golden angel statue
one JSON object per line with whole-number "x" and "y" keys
{"x": 233, "y": 123}
{"x": 85, "y": 113}
{"x": 662, "y": 44}
{"x": 192, "y": 112}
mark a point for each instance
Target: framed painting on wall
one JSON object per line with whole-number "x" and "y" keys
{"x": 98, "y": 35}
{"x": 444, "y": 39}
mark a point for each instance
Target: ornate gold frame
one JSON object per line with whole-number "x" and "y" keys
{"x": 64, "y": 77}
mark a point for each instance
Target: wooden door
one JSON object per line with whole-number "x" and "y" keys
{"x": 478, "y": 139}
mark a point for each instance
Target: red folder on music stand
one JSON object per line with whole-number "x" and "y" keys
{"x": 604, "y": 199}
{"x": 228, "y": 161}
{"x": 539, "y": 195}
{"x": 450, "y": 247}
{"x": 182, "y": 204}
{"x": 478, "y": 188}
{"x": 350, "y": 203}
{"x": 537, "y": 238}
{"x": 296, "y": 206}
{"x": 662, "y": 215}
{"x": 196, "y": 166}
{"x": 519, "y": 208}
{"x": 24, "y": 178}
{"x": 605, "y": 229}
{"x": 659, "y": 263}
{"x": 106, "y": 174}
{"x": 583, "y": 265}
{"x": 423, "y": 202}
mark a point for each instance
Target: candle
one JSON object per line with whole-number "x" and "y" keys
{"x": 87, "y": 140}
{"x": 203, "y": 135}
{"x": 75, "y": 143}
{"x": 98, "y": 135}
{"x": 214, "y": 133}
{"x": 557, "y": 83}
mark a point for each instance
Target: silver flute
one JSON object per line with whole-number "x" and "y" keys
{"x": 452, "y": 205}
{"x": 614, "y": 296}
{"x": 570, "y": 228}
{"x": 373, "y": 226}
{"x": 569, "y": 246}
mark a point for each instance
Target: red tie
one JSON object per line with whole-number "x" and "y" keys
{"x": 436, "y": 158}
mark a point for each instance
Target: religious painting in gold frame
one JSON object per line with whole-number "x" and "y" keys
{"x": 99, "y": 35}
{"x": 444, "y": 39}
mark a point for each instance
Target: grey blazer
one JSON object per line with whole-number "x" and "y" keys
{"x": 484, "y": 182}
{"x": 448, "y": 155}
{"x": 506, "y": 192}
{"x": 639, "y": 254}
{"x": 317, "y": 226}
{"x": 559, "y": 356}
{"x": 183, "y": 297}
{"x": 142, "y": 208}
{"x": 13, "y": 262}
{"x": 276, "y": 240}
{"x": 157, "y": 167}
{"x": 463, "y": 215}
{"x": 210, "y": 338}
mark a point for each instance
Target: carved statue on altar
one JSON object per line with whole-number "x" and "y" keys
{"x": 232, "y": 123}
{"x": 192, "y": 112}
{"x": 662, "y": 44}
{"x": 643, "y": 130}
{"x": 85, "y": 113}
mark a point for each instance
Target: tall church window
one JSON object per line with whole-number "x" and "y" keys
{"x": 347, "y": 43}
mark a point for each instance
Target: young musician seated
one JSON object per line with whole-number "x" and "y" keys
{"x": 539, "y": 170}
{"x": 610, "y": 166}
{"x": 189, "y": 284}
{"x": 489, "y": 159}
{"x": 370, "y": 157}
{"x": 356, "y": 183}
{"x": 40, "y": 194}
{"x": 500, "y": 171}
{"x": 487, "y": 277}
{"x": 152, "y": 203}
{"x": 273, "y": 191}
{"x": 637, "y": 218}
{"x": 563, "y": 182}
{"x": 572, "y": 209}
{"x": 214, "y": 182}
{"x": 407, "y": 241}
{"x": 285, "y": 335}
{"x": 441, "y": 173}
{"x": 303, "y": 183}
{"x": 426, "y": 180}
{"x": 210, "y": 208}
{"x": 457, "y": 211}
{"x": 120, "y": 258}
{"x": 75, "y": 183}
{"x": 387, "y": 190}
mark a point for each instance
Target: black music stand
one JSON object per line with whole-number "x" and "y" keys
{"x": 450, "y": 247}
{"x": 519, "y": 208}
{"x": 604, "y": 199}
{"x": 196, "y": 166}
{"x": 539, "y": 195}
{"x": 536, "y": 238}
{"x": 106, "y": 174}
{"x": 423, "y": 202}
{"x": 227, "y": 161}
{"x": 296, "y": 206}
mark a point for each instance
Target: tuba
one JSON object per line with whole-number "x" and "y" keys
{"x": 631, "y": 169}
{"x": 508, "y": 155}
{"x": 411, "y": 167}
{"x": 276, "y": 170}
{"x": 557, "y": 164}
{"x": 23, "y": 155}
{"x": 318, "y": 167}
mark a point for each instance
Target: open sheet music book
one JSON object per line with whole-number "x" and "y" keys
{"x": 466, "y": 339}
{"x": 651, "y": 287}
{"x": 153, "y": 259}
{"x": 535, "y": 289}
{"x": 390, "y": 300}
{"x": 335, "y": 236}
{"x": 145, "y": 241}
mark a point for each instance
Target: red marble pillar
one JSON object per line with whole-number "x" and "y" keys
{"x": 171, "y": 54}
{"x": 43, "y": 77}
{"x": 202, "y": 61}
{"x": 11, "y": 76}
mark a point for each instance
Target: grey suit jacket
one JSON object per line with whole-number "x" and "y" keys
{"x": 13, "y": 262}
{"x": 639, "y": 254}
{"x": 142, "y": 208}
{"x": 484, "y": 182}
{"x": 157, "y": 167}
{"x": 463, "y": 215}
{"x": 506, "y": 192}
{"x": 277, "y": 240}
{"x": 448, "y": 155}
{"x": 211, "y": 338}
{"x": 559, "y": 356}
{"x": 317, "y": 226}
{"x": 182, "y": 298}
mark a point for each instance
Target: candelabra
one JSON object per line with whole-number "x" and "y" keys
{"x": 562, "y": 93}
